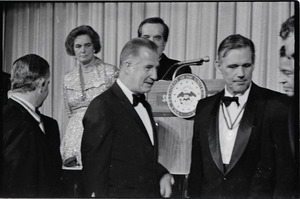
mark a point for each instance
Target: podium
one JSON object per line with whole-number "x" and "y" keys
{"x": 174, "y": 133}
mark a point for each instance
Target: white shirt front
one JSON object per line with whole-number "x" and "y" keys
{"x": 140, "y": 109}
{"x": 229, "y": 122}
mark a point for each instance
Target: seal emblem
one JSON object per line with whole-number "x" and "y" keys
{"x": 183, "y": 94}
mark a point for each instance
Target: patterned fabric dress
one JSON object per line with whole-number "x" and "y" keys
{"x": 77, "y": 97}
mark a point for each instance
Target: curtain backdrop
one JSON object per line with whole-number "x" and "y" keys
{"x": 196, "y": 29}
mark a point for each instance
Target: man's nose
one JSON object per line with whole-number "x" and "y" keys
{"x": 240, "y": 71}
{"x": 282, "y": 78}
{"x": 151, "y": 39}
{"x": 154, "y": 73}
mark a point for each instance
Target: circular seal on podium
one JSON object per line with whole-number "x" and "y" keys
{"x": 183, "y": 95}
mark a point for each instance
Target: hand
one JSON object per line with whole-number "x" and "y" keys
{"x": 166, "y": 183}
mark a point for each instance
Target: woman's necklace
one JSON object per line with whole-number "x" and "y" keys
{"x": 81, "y": 79}
{"x": 81, "y": 76}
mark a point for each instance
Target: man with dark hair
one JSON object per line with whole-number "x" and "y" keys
{"x": 286, "y": 67}
{"x": 119, "y": 144}
{"x": 240, "y": 134}
{"x": 31, "y": 164}
{"x": 156, "y": 30}
{"x": 287, "y": 33}
{"x": 287, "y": 73}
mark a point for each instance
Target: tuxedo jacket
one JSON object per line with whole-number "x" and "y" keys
{"x": 118, "y": 157}
{"x": 5, "y": 87}
{"x": 165, "y": 64}
{"x": 261, "y": 164}
{"x": 31, "y": 165}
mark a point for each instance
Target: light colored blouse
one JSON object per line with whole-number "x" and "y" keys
{"x": 77, "y": 96}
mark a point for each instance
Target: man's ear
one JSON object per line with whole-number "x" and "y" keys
{"x": 41, "y": 84}
{"x": 164, "y": 45}
{"x": 128, "y": 67}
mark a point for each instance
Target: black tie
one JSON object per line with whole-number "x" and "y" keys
{"x": 227, "y": 100}
{"x": 137, "y": 99}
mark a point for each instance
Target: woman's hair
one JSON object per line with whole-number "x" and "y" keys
{"x": 26, "y": 71}
{"x": 82, "y": 30}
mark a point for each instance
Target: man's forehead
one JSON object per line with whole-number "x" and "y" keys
{"x": 152, "y": 28}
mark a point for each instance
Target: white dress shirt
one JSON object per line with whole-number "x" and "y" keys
{"x": 231, "y": 115}
{"x": 140, "y": 109}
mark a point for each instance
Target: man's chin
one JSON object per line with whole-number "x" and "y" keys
{"x": 289, "y": 93}
{"x": 147, "y": 89}
{"x": 240, "y": 90}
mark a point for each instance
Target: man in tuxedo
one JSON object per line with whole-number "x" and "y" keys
{"x": 156, "y": 30}
{"x": 287, "y": 34}
{"x": 119, "y": 144}
{"x": 287, "y": 74}
{"x": 240, "y": 134}
{"x": 31, "y": 161}
{"x": 5, "y": 86}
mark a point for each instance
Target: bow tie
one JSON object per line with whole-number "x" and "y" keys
{"x": 227, "y": 100}
{"x": 137, "y": 99}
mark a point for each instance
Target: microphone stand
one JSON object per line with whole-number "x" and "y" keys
{"x": 187, "y": 64}
{"x": 183, "y": 65}
{"x": 169, "y": 71}
{"x": 177, "y": 69}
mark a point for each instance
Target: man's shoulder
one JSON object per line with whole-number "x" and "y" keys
{"x": 16, "y": 118}
{"x": 164, "y": 59}
{"x": 209, "y": 101}
{"x": 49, "y": 119}
{"x": 268, "y": 94}
{"x": 12, "y": 110}
{"x": 107, "y": 96}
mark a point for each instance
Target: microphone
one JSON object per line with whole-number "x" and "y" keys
{"x": 194, "y": 61}
{"x": 185, "y": 63}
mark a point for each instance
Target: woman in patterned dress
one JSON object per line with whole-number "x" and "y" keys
{"x": 89, "y": 78}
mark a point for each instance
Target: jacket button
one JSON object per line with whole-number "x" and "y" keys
{"x": 225, "y": 179}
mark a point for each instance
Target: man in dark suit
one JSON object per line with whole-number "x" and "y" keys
{"x": 5, "y": 86}
{"x": 287, "y": 74}
{"x": 31, "y": 161}
{"x": 156, "y": 30}
{"x": 119, "y": 144}
{"x": 240, "y": 144}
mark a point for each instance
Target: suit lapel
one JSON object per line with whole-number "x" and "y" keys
{"x": 130, "y": 109}
{"x": 245, "y": 128}
{"x": 213, "y": 133}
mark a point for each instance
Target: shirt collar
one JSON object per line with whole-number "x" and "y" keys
{"x": 20, "y": 99}
{"x": 28, "y": 106}
{"x": 126, "y": 90}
